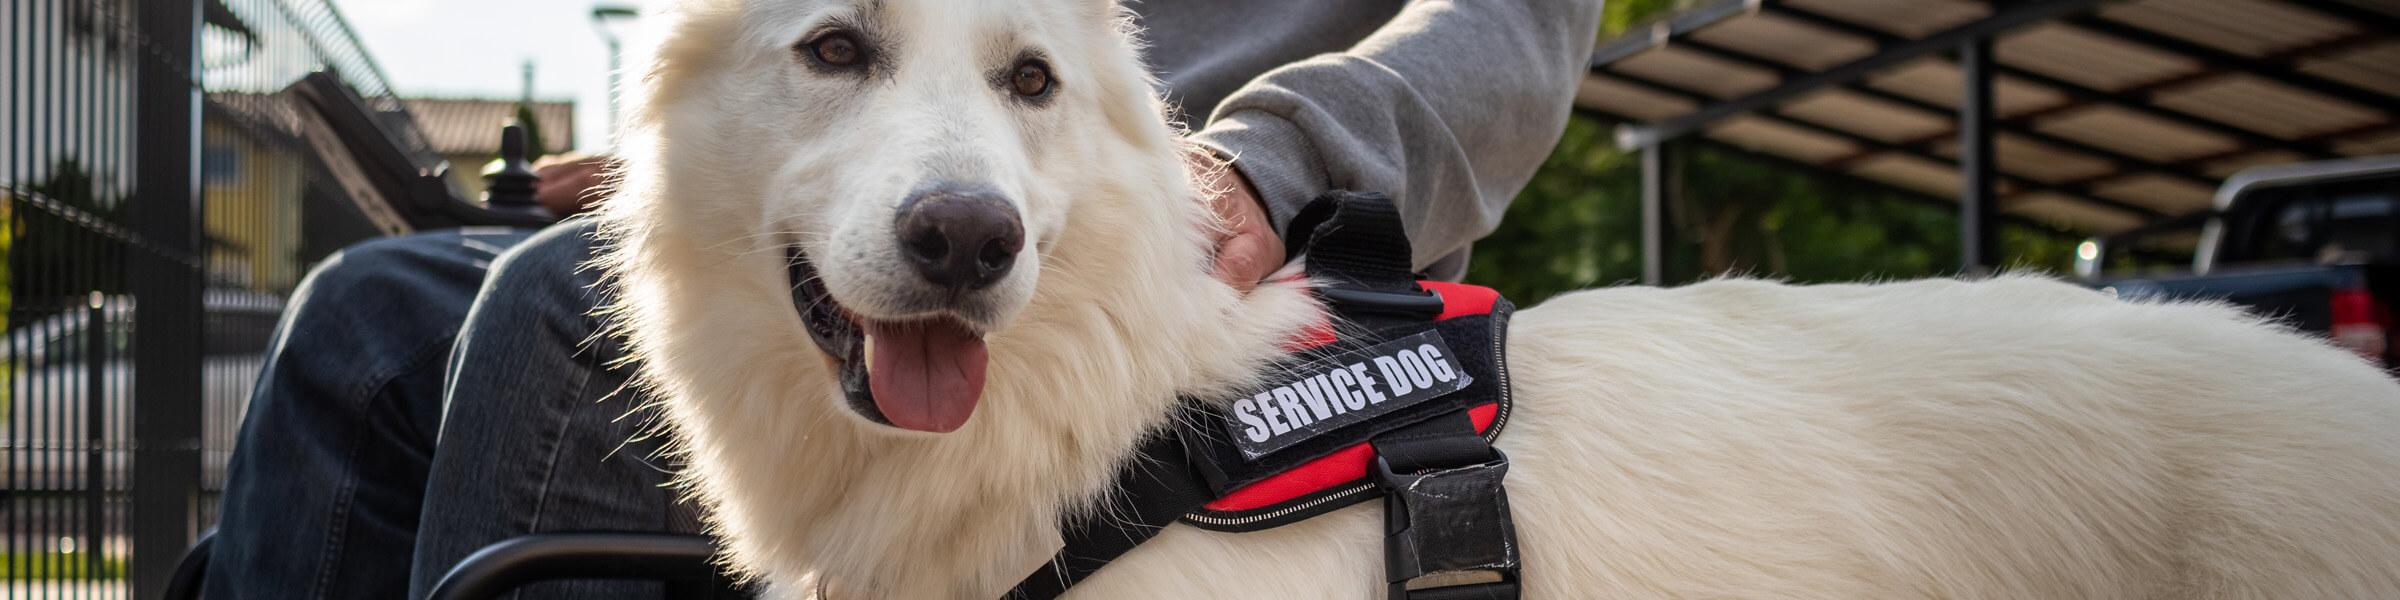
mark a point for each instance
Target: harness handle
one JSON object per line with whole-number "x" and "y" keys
{"x": 1355, "y": 240}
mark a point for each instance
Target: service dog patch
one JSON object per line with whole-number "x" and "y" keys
{"x": 1322, "y": 395}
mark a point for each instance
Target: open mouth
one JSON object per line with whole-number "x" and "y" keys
{"x": 922, "y": 374}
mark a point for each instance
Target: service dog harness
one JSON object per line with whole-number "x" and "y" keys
{"x": 1401, "y": 398}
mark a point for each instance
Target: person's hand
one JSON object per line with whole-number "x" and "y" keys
{"x": 1248, "y": 248}
{"x": 570, "y": 184}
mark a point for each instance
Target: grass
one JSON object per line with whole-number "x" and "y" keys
{"x": 23, "y": 566}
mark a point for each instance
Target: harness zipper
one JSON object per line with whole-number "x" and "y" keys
{"x": 1345, "y": 493}
{"x": 1500, "y": 356}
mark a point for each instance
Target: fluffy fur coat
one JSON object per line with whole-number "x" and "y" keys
{"x": 2015, "y": 438}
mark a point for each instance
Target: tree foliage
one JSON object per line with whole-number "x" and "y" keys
{"x": 535, "y": 148}
{"x": 57, "y": 253}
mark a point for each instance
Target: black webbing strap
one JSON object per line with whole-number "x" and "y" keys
{"x": 1356, "y": 245}
{"x": 1447, "y": 528}
{"x": 1358, "y": 248}
{"x": 1356, "y": 240}
{"x": 1156, "y": 488}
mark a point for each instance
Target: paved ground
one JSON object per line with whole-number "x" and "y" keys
{"x": 110, "y": 590}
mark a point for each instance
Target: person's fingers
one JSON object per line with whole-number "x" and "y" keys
{"x": 1247, "y": 247}
{"x": 1246, "y": 258}
{"x": 1231, "y": 219}
{"x": 568, "y": 188}
{"x": 560, "y": 191}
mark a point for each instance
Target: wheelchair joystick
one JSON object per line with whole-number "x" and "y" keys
{"x": 509, "y": 191}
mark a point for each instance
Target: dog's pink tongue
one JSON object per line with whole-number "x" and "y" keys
{"x": 926, "y": 375}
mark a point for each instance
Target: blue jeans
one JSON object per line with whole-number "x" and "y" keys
{"x": 426, "y": 396}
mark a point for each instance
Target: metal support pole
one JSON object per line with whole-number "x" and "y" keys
{"x": 616, "y": 59}
{"x": 95, "y": 432}
{"x": 165, "y": 280}
{"x": 1977, "y": 199}
{"x": 602, "y": 17}
{"x": 1659, "y": 186}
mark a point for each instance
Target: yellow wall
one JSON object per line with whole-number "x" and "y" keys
{"x": 252, "y": 205}
{"x": 466, "y": 172}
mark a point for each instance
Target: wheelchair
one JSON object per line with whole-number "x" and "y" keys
{"x": 409, "y": 186}
{"x": 683, "y": 562}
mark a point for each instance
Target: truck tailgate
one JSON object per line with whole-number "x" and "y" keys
{"x": 2300, "y": 294}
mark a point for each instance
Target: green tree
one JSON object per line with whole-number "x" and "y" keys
{"x": 1618, "y": 15}
{"x": 534, "y": 146}
{"x": 58, "y": 248}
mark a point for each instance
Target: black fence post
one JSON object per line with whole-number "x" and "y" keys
{"x": 1660, "y": 184}
{"x": 1978, "y": 248}
{"x": 166, "y": 286}
{"x": 95, "y": 432}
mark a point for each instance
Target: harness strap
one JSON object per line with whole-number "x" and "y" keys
{"x": 1357, "y": 241}
{"x": 1448, "y": 517}
{"x": 1448, "y": 532}
{"x": 1154, "y": 490}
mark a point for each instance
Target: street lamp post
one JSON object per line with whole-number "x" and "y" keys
{"x": 602, "y": 17}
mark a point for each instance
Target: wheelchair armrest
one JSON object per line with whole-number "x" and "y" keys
{"x": 184, "y": 584}
{"x": 514, "y": 562}
{"x": 389, "y": 172}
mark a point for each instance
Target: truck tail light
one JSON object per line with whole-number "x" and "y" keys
{"x": 2360, "y": 323}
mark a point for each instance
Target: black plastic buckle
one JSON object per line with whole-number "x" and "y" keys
{"x": 1447, "y": 532}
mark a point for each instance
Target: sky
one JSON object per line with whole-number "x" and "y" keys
{"x": 477, "y": 48}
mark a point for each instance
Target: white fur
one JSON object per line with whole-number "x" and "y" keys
{"x": 2016, "y": 438}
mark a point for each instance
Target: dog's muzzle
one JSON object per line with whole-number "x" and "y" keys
{"x": 836, "y": 333}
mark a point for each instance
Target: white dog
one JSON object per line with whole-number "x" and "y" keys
{"x": 1005, "y": 288}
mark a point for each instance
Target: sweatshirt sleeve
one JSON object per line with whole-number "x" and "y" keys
{"x": 1449, "y": 108}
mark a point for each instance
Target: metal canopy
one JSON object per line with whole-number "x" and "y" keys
{"x": 2102, "y": 116}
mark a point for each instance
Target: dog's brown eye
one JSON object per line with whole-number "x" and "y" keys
{"x": 1032, "y": 79}
{"x": 835, "y": 49}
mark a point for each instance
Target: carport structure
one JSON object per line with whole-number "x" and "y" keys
{"x": 2107, "y": 118}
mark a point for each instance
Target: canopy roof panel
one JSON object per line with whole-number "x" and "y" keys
{"x": 2108, "y": 115}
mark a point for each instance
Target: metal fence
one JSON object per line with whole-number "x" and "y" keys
{"x": 162, "y": 200}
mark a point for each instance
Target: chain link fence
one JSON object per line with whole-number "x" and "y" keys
{"x": 163, "y": 197}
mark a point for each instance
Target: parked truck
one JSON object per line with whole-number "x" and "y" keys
{"x": 2314, "y": 244}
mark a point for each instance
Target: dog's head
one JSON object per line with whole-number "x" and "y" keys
{"x": 843, "y": 220}
{"x": 911, "y": 161}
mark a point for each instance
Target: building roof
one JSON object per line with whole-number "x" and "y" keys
{"x": 2108, "y": 115}
{"x": 472, "y": 125}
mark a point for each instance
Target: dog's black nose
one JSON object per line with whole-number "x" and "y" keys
{"x": 960, "y": 238}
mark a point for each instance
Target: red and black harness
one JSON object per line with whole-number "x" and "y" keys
{"x": 1400, "y": 398}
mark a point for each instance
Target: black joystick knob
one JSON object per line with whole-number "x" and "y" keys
{"x": 510, "y": 189}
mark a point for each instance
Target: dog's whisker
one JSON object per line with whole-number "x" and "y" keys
{"x": 779, "y": 236}
{"x": 753, "y": 239}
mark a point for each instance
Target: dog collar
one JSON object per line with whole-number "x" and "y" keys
{"x": 1399, "y": 399}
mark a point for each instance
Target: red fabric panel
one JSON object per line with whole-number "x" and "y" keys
{"x": 1350, "y": 464}
{"x": 1342, "y": 466}
{"x": 1314, "y": 336}
{"x": 1459, "y": 299}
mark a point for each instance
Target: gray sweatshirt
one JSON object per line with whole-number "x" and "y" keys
{"x": 1446, "y": 105}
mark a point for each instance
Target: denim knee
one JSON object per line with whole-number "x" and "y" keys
{"x": 385, "y": 303}
{"x": 326, "y": 478}
{"x": 407, "y": 280}
{"x": 547, "y": 278}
